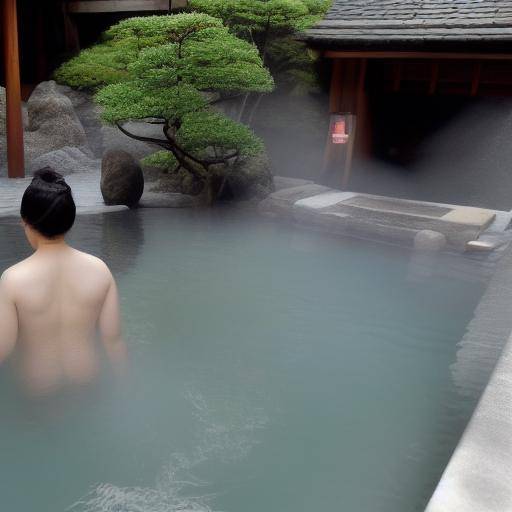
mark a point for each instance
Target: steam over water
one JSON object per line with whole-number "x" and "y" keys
{"x": 446, "y": 149}
{"x": 272, "y": 370}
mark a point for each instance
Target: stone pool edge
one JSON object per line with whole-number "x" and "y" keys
{"x": 385, "y": 219}
{"x": 477, "y": 477}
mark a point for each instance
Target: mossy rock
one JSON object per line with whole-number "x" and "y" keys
{"x": 251, "y": 178}
{"x": 181, "y": 182}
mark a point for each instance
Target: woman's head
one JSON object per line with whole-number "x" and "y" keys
{"x": 47, "y": 206}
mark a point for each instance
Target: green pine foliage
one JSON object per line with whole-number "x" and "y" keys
{"x": 171, "y": 70}
{"x": 272, "y": 26}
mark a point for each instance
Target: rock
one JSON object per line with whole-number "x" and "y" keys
{"x": 283, "y": 201}
{"x": 103, "y": 137}
{"x": 66, "y": 160}
{"x": 251, "y": 178}
{"x": 181, "y": 181}
{"x": 167, "y": 200}
{"x": 122, "y": 181}
{"x": 52, "y": 122}
{"x": 427, "y": 240}
{"x": 113, "y": 138}
{"x": 89, "y": 114}
{"x": 78, "y": 98}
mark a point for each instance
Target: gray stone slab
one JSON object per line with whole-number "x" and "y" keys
{"x": 456, "y": 234}
{"x": 324, "y": 200}
{"x": 346, "y": 225}
{"x": 292, "y": 195}
{"x": 378, "y": 216}
{"x": 388, "y": 204}
{"x": 282, "y": 182}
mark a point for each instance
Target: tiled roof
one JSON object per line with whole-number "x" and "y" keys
{"x": 415, "y": 21}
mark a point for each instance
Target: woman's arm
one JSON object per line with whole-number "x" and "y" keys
{"x": 110, "y": 327}
{"x": 8, "y": 319}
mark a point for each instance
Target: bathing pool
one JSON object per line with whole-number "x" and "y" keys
{"x": 272, "y": 370}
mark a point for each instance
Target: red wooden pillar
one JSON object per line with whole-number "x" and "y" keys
{"x": 347, "y": 96}
{"x": 15, "y": 150}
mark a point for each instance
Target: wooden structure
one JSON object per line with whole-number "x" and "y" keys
{"x": 380, "y": 49}
{"x": 14, "y": 129}
{"x": 102, "y": 6}
{"x": 44, "y": 34}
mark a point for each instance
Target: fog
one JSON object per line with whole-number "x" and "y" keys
{"x": 461, "y": 155}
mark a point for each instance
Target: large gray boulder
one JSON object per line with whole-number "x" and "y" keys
{"x": 122, "y": 181}
{"x": 67, "y": 160}
{"x": 102, "y": 137}
{"x": 52, "y": 122}
{"x": 89, "y": 114}
{"x": 113, "y": 138}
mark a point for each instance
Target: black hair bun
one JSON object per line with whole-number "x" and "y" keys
{"x": 52, "y": 178}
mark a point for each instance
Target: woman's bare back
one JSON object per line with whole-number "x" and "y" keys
{"x": 62, "y": 296}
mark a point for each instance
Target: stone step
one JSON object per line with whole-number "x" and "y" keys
{"x": 350, "y": 212}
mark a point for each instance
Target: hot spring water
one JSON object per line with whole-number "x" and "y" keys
{"x": 272, "y": 370}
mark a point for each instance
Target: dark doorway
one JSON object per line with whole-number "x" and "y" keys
{"x": 401, "y": 122}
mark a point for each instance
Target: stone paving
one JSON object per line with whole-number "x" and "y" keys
{"x": 86, "y": 191}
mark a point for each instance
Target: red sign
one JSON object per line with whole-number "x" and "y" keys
{"x": 339, "y": 132}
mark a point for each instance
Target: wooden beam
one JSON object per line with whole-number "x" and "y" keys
{"x": 331, "y": 54}
{"x": 335, "y": 92}
{"x": 97, "y": 6}
{"x": 15, "y": 150}
{"x": 71, "y": 35}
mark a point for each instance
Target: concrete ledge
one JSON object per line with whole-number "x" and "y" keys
{"x": 382, "y": 218}
{"x": 478, "y": 477}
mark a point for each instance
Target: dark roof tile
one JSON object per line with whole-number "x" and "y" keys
{"x": 414, "y": 20}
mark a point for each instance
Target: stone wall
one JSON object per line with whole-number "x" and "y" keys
{"x": 477, "y": 478}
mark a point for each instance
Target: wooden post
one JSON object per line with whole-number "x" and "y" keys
{"x": 71, "y": 35}
{"x": 334, "y": 106}
{"x": 357, "y": 140}
{"x": 347, "y": 96}
{"x": 15, "y": 150}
